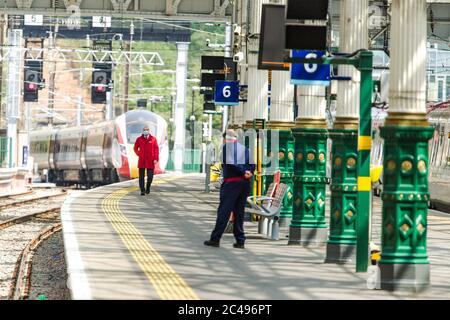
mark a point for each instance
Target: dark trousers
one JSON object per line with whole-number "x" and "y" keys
{"x": 142, "y": 177}
{"x": 233, "y": 196}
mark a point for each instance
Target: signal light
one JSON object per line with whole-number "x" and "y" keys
{"x": 100, "y": 88}
{"x": 31, "y": 81}
{"x": 31, "y": 87}
{"x": 101, "y": 79}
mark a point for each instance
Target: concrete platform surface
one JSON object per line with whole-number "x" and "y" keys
{"x": 121, "y": 245}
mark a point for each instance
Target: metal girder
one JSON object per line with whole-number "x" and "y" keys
{"x": 182, "y": 10}
{"x": 86, "y": 55}
{"x": 68, "y": 3}
{"x": 120, "y": 5}
{"x": 172, "y": 7}
{"x": 219, "y": 9}
{"x": 24, "y": 4}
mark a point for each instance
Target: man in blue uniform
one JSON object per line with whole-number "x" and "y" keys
{"x": 237, "y": 172}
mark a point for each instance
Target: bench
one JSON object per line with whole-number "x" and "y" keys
{"x": 268, "y": 208}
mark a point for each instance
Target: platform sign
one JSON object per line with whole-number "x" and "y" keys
{"x": 33, "y": 20}
{"x": 309, "y": 74}
{"x": 101, "y": 22}
{"x": 272, "y": 38}
{"x": 226, "y": 93}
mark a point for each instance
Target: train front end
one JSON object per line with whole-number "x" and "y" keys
{"x": 129, "y": 127}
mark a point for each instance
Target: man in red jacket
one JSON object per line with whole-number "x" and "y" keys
{"x": 146, "y": 148}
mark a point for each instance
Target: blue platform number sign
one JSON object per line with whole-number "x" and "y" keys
{"x": 307, "y": 73}
{"x": 226, "y": 93}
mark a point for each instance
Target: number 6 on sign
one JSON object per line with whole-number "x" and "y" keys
{"x": 226, "y": 93}
{"x": 309, "y": 67}
{"x": 309, "y": 73}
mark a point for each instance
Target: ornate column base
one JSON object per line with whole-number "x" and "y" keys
{"x": 404, "y": 263}
{"x": 405, "y": 277}
{"x": 341, "y": 246}
{"x": 308, "y": 237}
{"x": 340, "y": 253}
{"x": 308, "y": 226}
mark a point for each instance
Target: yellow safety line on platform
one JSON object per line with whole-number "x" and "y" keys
{"x": 167, "y": 283}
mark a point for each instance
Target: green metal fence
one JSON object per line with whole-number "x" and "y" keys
{"x": 192, "y": 161}
{"x": 5, "y": 144}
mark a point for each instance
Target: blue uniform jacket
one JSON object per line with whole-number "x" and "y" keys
{"x": 235, "y": 160}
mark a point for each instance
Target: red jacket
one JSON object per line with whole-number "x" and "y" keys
{"x": 147, "y": 151}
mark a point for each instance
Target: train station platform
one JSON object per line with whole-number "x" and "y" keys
{"x": 121, "y": 245}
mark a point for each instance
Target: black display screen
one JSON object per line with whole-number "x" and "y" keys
{"x": 272, "y": 38}
{"x": 307, "y": 9}
{"x": 306, "y": 37}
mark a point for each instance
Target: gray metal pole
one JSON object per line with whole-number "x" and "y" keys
{"x": 109, "y": 107}
{"x": 52, "y": 74}
{"x": 79, "y": 111}
{"x": 2, "y": 39}
{"x": 180, "y": 107}
{"x": 228, "y": 35}
{"x": 14, "y": 77}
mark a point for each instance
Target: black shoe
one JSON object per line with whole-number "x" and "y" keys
{"x": 142, "y": 193}
{"x": 238, "y": 245}
{"x": 147, "y": 191}
{"x": 211, "y": 243}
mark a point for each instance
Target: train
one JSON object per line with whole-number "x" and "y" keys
{"x": 97, "y": 154}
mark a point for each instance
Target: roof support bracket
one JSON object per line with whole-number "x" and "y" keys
{"x": 68, "y": 3}
{"x": 172, "y": 7}
{"x": 120, "y": 5}
{"x": 219, "y": 9}
{"x": 24, "y": 4}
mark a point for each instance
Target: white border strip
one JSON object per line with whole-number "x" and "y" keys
{"x": 77, "y": 278}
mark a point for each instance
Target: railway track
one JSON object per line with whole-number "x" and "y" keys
{"x": 21, "y": 285}
{"x": 43, "y": 214}
{"x": 5, "y": 196}
{"x": 24, "y": 224}
{"x": 14, "y": 202}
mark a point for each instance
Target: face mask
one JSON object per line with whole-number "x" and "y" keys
{"x": 145, "y": 133}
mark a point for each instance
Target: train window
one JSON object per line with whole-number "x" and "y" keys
{"x": 134, "y": 130}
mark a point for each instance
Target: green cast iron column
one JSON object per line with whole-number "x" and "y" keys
{"x": 341, "y": 246}
{"x": 308, "y": 225}
{"x": 364, "y": 184}
{"x": 285, "y": 155}
{"x": 404, "y": 262}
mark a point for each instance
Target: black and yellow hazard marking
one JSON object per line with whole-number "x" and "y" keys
{"x": 167, "y": 283}
{"x": 364, "y": 143}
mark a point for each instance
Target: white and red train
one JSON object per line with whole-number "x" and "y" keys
{"x": 97, "y": 154}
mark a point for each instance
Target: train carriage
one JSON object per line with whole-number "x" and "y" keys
{"x": 97, "y": 154}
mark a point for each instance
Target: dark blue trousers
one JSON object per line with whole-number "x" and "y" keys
{"x": 233, "y": 196}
